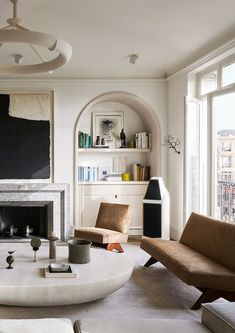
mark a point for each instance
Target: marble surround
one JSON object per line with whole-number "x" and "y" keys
{"x": 54, "y": 195}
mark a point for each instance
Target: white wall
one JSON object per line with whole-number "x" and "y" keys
{"x": 177, "y": 90}
{"x": 71, "y": 96}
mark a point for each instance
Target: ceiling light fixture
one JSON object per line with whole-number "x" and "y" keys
{"x": 133, "y": 58}
{"x": 16, "y": 33}
{"x": 18, "y": 59}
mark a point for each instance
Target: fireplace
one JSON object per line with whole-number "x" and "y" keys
{"x": 17, "y": 222}
{"x": 28, "y": 210}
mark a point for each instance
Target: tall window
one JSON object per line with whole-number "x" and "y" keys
{"x": 210, "y": 144}
{"x": 223, "y": 135}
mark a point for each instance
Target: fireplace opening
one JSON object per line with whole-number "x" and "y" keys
{"x": 18, "y": 222}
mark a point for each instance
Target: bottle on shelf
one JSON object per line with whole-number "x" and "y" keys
{"x": 123, "y": 138}
{"x": 97, "y": 141}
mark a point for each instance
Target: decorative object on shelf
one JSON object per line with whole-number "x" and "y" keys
{"x": 108, "y": 126}
{"x": 131, "y": 144}
{"x": 14, "y": 32}
{"x": 97, "y": 141}
{"x": 35, "y": 243}
{"x": 123, "y": 138}
{"x": 10, "y": 259}
{"x": 120, "y": 164}
{"x": 102, "y": 142}
{"x": 103, "y": 172}
{"x": 125, "y": 177}
{"x": 171, "y": 142}
{"x": 79, "y": 251}
{"x": 52, "y": 245}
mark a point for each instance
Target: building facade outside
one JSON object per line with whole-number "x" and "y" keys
{"x": 226, "y": 175}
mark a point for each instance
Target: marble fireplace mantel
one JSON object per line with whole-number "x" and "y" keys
{"x": 54, "y": 195}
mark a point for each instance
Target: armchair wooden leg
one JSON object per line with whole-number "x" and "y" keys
{"x": 150, "y": 262}
{"x": 210, "y": 295}
{"x": 114, "y": 246}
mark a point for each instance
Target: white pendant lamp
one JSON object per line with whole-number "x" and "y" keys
{"x": 16, "y": 33}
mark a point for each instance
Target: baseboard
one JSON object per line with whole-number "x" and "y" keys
{"x": 136, "y": 231}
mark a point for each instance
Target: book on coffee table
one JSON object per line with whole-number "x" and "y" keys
{"x": 59, "y": 271}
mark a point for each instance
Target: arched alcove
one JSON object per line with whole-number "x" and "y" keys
{"x": 144, "y": 111}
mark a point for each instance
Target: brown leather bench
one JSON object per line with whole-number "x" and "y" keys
{"x": 204, "y": 257}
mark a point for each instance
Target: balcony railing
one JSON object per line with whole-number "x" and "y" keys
{"x": 226, "y": 201}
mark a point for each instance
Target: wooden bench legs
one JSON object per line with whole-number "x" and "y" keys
{"x": 150, "y": 262}
{"x": 110, "y": 246}
{"x": 210, "y": 295}
{"x": 114, "y": 246}
{"x": 207, "y": 296}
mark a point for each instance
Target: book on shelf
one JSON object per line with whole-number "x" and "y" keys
{"x": 100, "y": 146}
{"x": 87, "y": 173}
{"x": 140, "y": 172}
{"x": 143, "y": 140}
{"x": 91, "y": 173}
{"x": 114, "y": 177}
{"x": 84, "y": 140}
{"x": 61, "y": 271}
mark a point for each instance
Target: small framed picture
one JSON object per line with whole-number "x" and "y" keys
{"x": 107, "y": 126}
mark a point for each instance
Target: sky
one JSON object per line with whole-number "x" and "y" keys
{"x": 224, "y": 108}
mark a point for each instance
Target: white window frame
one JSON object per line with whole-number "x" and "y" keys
{"x": 226, "y": 62}
{"x": 187, "y": 101}
{"x": 221, "y": 90}
{"x": 206, "y": 71}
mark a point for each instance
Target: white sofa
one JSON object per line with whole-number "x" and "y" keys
{"x": 52, "y": 325}
{"x": 216, "y": 317}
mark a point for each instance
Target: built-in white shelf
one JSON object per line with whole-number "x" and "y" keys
{"x": 113, "y": 150}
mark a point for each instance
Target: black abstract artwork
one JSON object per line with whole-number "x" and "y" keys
{"x": 24, "y": 146}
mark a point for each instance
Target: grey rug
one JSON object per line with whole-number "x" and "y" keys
{"x": 152, "y": 292}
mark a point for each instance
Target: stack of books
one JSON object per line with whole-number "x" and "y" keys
{"x": 140, "y": 172}
{"x": 143, "y": 140}
{"x": 114, "y": 177}
{"x": 88, "y": 173}
{"x": 84, "y": 140}
{"x": 55, "y": 270}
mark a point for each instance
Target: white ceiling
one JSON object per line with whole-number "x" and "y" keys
{"x": 167, "y": 35}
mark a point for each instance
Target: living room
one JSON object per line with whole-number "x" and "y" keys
{"x": 175, "y": 46}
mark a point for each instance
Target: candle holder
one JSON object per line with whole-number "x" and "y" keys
{"x": 35, "y": 243}
{"x": 10, "y": 259}
{"x": 52, "y": 246}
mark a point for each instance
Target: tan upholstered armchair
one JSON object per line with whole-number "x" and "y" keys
{"x": 111, "y": 228}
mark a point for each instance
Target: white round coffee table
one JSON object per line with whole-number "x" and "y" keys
{"x": 25, "y": 284}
